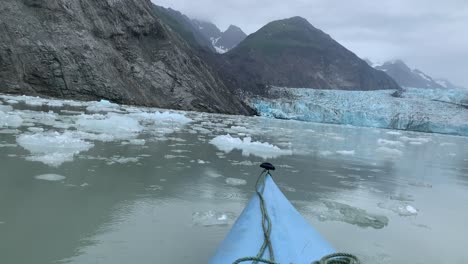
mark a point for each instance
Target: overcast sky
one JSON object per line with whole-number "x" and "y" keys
{"x": 431, "y": 35}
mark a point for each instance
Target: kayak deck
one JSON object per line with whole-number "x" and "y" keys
{"x": 293, "y": 239}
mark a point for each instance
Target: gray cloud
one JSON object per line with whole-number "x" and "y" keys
{"x": 431, "y": 35}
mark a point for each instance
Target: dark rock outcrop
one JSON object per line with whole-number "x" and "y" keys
{"x": 407, "y": 77}
{"x": 293, "y": 53}
{"x": 112, "y": 49}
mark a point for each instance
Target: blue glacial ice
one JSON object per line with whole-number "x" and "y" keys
{"x": 424, "y": 110}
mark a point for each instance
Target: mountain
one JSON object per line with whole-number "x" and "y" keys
{"x": 116, "y": 50}
{"x": 447, "y": 84}
{"x": 183, "y": 26}
{"x": 407, "y": 77}
{"x": 293, "y": 53}
{"x": 221, "y": 41}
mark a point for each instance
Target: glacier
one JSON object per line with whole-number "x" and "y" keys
{"x": 424, "y": 110}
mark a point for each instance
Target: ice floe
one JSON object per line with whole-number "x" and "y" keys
{"x": 53, "y": 148}
{"x": 115, "y": 127}
{"x": 419, "y": 140}
{"x": 227, "y": 143}
{"x": 50, "y": 177}
{"x": 395, "y": 133}
{"x": 235, "y": 181}
{"x": 390, "y": 152}
{"x": 389, "y": 143}
{"x": 213, "y": 218}
{"x": 10, "y": 120}
{"x": 103, "y": 106}
{"x": 400, "y": 208}
{"x": 335, "y": 211}
{"x": 346, "y": 152}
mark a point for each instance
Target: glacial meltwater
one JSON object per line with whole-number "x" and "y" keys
{"x": 101, "y": 183}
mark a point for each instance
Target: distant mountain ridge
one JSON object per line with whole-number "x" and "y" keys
{"x": 221, "y": 41}
{"x": 293, "y": 53}
{"x": 405, "y": 76}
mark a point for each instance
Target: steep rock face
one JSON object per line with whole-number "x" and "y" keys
{"x": 112, "y": 49}
{"x": 293, "y": 53}
{"x": 183, "y": 25}
{"x": 407, "y": 77}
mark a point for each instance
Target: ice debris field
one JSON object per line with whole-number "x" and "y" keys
{"x": 56, "y": 131}
{"x": 426, "y": 110}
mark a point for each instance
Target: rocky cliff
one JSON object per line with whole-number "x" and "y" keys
{"x": 112, "y": 49}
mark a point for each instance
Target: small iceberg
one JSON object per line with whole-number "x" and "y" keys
{"x": 235, "y": 181}
{"x": 265, "y": 150}
{"x": 213, "y": 218}
{"x": 50, "y": 177}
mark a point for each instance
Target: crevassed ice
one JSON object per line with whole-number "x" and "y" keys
{"x": 53, "y": 148}
{"x": 227, "y": 143}
{"x": 425, "y": 110}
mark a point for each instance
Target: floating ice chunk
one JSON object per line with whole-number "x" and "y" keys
{"x": 410, "y": 209}
{"x": 401, "y": 209}
{"x": 235, "y": 181}
{"x": 122, "y": 160}
{"x": 103, "y": 106}
{"x": 202, "y": 161}
{"x": 84, "y": 184}
{"x": 212, "y": 173}
{"x": 119, "y": 127}
{"x": 402, "y": 197}
{"x": 212, "y": 218}
{"x": 5, "y": 108}
{"x": 162, "y": 117}
{"x": 52, "y": 148}
{"x": 154, "y": 188}
{"x": 395, "y": 133}
{"x": 10, "y": 120}
{"x": 346, "y": 152}
{"x": 55, "y": 103}
{"x": 36, "y": 129}
{"x": 418, "y": 139}
{"x": 445, "y": 144}
{"x": 12, "y": 102}
{"x": 50, "y": 177}
{"x": 138, "y": 142}
{"x": 325, "y": 153}
{"x": 416, "y": 143}
{"x": 390, "y": 152}
{"x": 244, "y": 163}
{"x": 389, "y": 143}
{"x": 227, "y": 143}
{"x": 174, "y": 156}
{"x": 35, "y": 102}
{"x": 335, "y": 211}
{"x": 420, "y": 184}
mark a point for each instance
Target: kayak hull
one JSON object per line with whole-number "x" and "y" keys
{"x": 293, "y": 239}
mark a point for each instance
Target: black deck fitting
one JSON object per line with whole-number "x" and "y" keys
{"x": 267, "y": 166}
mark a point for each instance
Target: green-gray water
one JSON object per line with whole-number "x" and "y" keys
{"x": 158, "y": 189}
